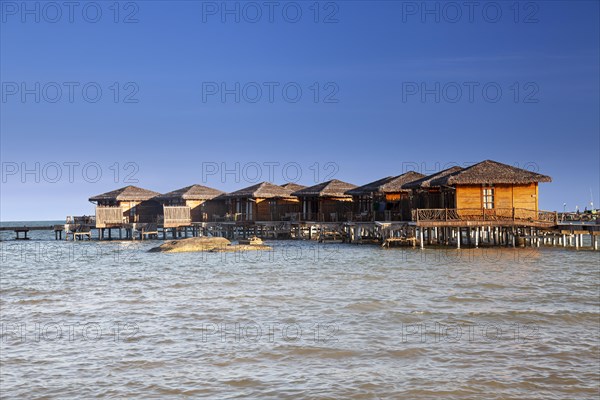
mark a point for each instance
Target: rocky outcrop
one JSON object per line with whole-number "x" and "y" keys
{"x": 191, "y": 245}
{"x": 212, "y": 244}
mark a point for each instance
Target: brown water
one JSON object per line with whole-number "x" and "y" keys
{"x": 306, "y": 320}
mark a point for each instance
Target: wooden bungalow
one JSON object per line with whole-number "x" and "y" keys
{"x": 264, "y": 201}
{"x": 488, "y": 189}
{"x": 126, "y": 205}
{"x": 195, "y": 203}
{"x": 326, "y": 202}
{"x": 385, "y": 199}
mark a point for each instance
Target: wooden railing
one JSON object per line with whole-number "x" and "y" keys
{"x": 176, "y": 216}
{"x": 81, "y": 220}
{"x": 106, "y": 216}
{"x": 284, "y": 216}
{"x": 585, "y": 216}
{"x": 482, "y": 214}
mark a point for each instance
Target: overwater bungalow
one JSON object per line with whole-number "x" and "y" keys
{"x": 385, "y": 199}
{"x": 264, "y": 201}
{"x": 326, "y": 202}
{"x": 488, "y": 189}
{"x": 195, "y": 203}
{"x": 127, "y": 205}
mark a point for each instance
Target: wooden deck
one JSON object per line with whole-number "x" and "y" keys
{"x": 472, "y": 217}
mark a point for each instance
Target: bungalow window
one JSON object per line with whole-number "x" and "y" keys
{"x": 488, "y": 197}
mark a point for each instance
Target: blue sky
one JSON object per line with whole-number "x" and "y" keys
{"x": 354, "y": 90}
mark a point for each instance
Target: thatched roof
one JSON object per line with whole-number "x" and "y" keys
{"x": 332, "y": 188}
{"x": 263, "y": 190}
{"x": 293, "y": 186}
{"x": 391, "y": 184}
{"x": 490, "y": 172}
{"x": 426, "y": 182}
{"x": 127, "y": 193}
{"x": 193, "y": 192}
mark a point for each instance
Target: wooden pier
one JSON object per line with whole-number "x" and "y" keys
{"x": 18, "y": 230}
{"x": 457, "y": 233}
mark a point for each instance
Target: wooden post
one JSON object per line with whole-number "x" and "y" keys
{"x": 421, "y": 238}
{"x": 476, "y": 237}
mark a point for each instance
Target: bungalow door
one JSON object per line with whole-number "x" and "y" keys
{"x": 307, "y": 208}
{"x": 132, "y": 212}
{"x": 249, "y": 209}
{"x": 449, "y": 199}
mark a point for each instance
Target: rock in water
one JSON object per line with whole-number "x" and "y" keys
{"x": 253, "y": 240}
{"x": 192, "y": 244}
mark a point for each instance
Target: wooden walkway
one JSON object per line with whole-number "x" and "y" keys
{"x": 18, "y": 230}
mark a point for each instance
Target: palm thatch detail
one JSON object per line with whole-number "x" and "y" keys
{"x": 293, "y": 186}
{"x": 127, "y": 193}
{"x": 193, "y": 192}
{"x": 426, "y": 181}
{"x": 263, "y": 190}
{"x": 390, "y": 184}
{"x": 490, "y": 172}
{"x": 332, "y": 188}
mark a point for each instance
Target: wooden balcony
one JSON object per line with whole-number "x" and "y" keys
{"x": 474, "y": 216}
{"x": 176, "y": 216}
{"x": 107, "y": 217}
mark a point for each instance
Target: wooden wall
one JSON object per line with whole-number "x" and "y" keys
{"x": 469, "y": 196}
{"x": 262, "y": 210}
{"x": 274, "y": 209}
{"x": 195, "y": 209}
{"x": 340, "y": 207}
{"x": 433, "y": 198}
{"x": 145, "y": 211}
{"x": 212, "y": 208}
{"x": 505, "y": 196}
